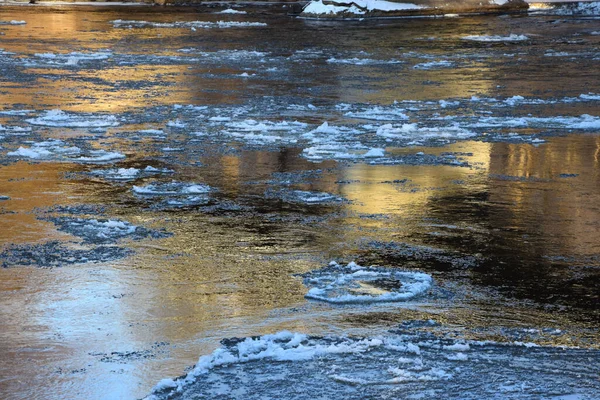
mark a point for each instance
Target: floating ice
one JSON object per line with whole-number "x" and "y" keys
{"x": 303, "y": 196}
{"x": 256, "y": 131}
{"x": 99, "y": 157}
{"x": 73, "y": 59}
{"x": 231, "y": 11}
{"x": 46, "y": 150}
{"x": 185, "y": 24}
{"x": 57, "y": 150}
{"x": 13, "y": 22}
{"x": 127, "y": 174}
{"x": 399, "y": 364}
{"x": 172, "y": 188}
{"x": 379, "y": 113}
{"x": 60, "y": 118}
{"x": 421, "y": 134}
{"x": 434, "y": 65}
{"x": 355, "y": 284}
{"x": 361, "y": 61}
{"x": 102, "y": 231}
{"x": 14, "y": 130}
{"x": 484, "y": 38}
{"x": 55, "y": 254}
{"x": 583, "y": 122}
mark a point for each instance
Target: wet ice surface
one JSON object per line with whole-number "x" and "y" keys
{"x": 458, "y": 157}
{"x": 398, "y": 364}
{"x": 55, "y": 254}
{"x": 101, "y": 231}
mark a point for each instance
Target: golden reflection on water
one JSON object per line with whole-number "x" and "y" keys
{"x": 376, "y": 192}
{"x": 222, "y": 276}
{"x": 564, "y": 207}
{"x": 30, "y": 187}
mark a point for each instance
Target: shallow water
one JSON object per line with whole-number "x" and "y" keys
{"x": 274, "y": 150}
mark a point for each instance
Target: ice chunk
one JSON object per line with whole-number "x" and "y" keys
{"x": 484, "y": 38}
{"x": 231, "y": 11}
{"x": 59, "y": 118}
{"x": 118, "y": 23}
{"x": 355, "y": 284}
{"x": 172, "y": 188}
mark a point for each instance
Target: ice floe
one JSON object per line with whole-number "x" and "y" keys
{"x": 118, "y": 23}
{"x": 128, "y": 174}
{"x": 379, "y": 113}
{"x": 102, "y": 231}
{"x": 264, "y": 131}
{"x": 172, "y": 188}
{"x": 13, "y": 22}
{"x": 494, "y": 38}
{"x": 361, "y": 61}
{"x": 175, "y": 193}
{"x": 407, "y": 364}
{"x": 419, "y": 135}
{"x": 304, "y": 196}
{"x": 70, "y": 59}
{"x": 56, "y": 254}
{"x": 57, "y": 150}
{"x": 59, "y": 118}
{"x": 355, "y": 284}
{"x": 434, "y": 65}
{"x": 231, "y": 11}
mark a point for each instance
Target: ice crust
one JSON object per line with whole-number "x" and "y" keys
{"x": 355, "y": 284}
{"x": 399, "y": 364}
{"x": 100, "y": 231}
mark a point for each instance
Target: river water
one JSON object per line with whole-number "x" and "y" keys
{"x": 176, "y": 177}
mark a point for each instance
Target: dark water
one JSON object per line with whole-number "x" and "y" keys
{"x": 117, "y": 275}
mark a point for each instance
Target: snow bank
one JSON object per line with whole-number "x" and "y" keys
{"x": 356, "y": 7}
